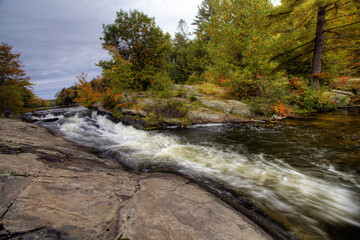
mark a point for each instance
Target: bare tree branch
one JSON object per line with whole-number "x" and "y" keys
{"x": 328, "y": 20}
{"x": 286, "y": 31}
{"x": 337, "y": 6}
{"x": 287, "y": 52}
{"x": 327, "y": 30}
{"x": 279, "y": 14}
{"x": 294, "y": 58}
{"x": 343, "y": 36}
{"x": 338, "y": 34}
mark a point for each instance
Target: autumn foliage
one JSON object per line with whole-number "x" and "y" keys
{"x": 259, "y": 53}
{"x": 88, "y": 93}
{"x": 16, "y": 94}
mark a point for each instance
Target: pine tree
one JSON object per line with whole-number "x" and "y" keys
{"x": 238, "y": 44}
{"x": 320, "y": 30}
{"x": 202, "y": 19}
{"x": 179, "y": 72}
{"x": 197, "y": 58}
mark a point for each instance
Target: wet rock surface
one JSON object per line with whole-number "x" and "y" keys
{"x": 51, "y": 189}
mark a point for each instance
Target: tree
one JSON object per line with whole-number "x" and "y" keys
{"x": 66, "y": 96}
{"x": 88, "y": 93}
{"x": 179, "y": 72}
{"x": 198, "y": 59}
{"x": 316, "y": 28}
{"x": 202, "y": 19}
{"x": 15, "y": 93}
{"x": 183, "y": 30}
{"x": 137, "y": 38}
{"x": 238, "y": 44}
{"x": 11, "y": 67}
{"x": 119, "y": 75}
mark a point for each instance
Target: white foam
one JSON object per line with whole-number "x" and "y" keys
{"x": 277, "y": 184}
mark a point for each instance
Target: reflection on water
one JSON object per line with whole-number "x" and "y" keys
{"x": 304, "y": 173}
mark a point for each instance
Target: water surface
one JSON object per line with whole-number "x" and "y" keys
{"x": 303, "y": 173}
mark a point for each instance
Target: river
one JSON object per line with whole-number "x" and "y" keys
{"x": 303, "y": 173}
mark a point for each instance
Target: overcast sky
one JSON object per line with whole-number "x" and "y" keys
{"x": 59, "y": 39}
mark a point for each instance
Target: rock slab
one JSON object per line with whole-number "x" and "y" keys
{"x": 51, "y": 189}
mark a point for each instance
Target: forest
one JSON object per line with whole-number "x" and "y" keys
{"x": 278, "y": 59}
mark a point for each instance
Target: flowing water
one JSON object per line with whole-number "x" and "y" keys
{"x": 303, "y": 173}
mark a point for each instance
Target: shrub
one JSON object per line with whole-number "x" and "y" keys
{"x": 207, "y": 88}
{"x": 355, "y": 100}
{"x": 87, "y": 92}
{"x": 161, "y": 86}
{"x": 192, "y": 97}
{"x": 282, "y": 109}
{"x": 316, "y": 100}
{"x": 305, "y": 97}
{"x": 180, "y": 92}
{"x": 164, "y": 109}
{"x": 195, "y": 79}
{"x": 271, "y": 93}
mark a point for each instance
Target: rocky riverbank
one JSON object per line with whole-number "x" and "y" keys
{"x": 52, "y": 189}
{"x": 195, "y": 104}
{"x": 189, "y": 105}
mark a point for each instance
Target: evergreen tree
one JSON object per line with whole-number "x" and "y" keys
{"x": 313, "y": 34}
{"x": 66, "y": 96}
{"x": 202, "y": 19}
{"x": 238, "y": 44}
{"x": 179, "y": 72}
{"x": 198, "y": 58}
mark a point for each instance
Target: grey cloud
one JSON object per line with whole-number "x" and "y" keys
{"x": 59, "y": 39}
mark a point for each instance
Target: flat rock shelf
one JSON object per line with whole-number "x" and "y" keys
{"x": 51, "y": 189}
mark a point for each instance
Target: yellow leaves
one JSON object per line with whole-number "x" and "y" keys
{"x": 86, "y": 93}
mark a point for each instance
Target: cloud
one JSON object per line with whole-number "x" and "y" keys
{"x": 59, "y": 39}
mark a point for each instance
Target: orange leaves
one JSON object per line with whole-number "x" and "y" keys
{"x": 282, "y": 109}
{"x": 87, "y": 93}
{"x": 15, "y": 88}
{"x": 115, "y": 96}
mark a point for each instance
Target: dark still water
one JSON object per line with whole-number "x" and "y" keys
{"x": 303, "y": 173}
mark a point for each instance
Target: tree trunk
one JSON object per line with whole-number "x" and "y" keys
{"x": 319, "y": 46}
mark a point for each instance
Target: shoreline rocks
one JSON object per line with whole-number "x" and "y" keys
{"x": 53, "y": 189}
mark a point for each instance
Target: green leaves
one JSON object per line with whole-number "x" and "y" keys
{"x": 295, "y": 24}
{"x": 137, "y": 39}
{"x": 119, "y": 74}
{"x": 238, "y": 44}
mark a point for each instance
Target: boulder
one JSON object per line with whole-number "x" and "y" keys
{"x": 100, "y": 108}
{"x": 228, "y": 106}
{"x": 340, "y": 97}
{"x": 239, "y": 108}
{"x": 220, "y": 105}
{"x": 173, "y": 121}
{"x": 129, "y": 112}
{"x": 206, "y": 117}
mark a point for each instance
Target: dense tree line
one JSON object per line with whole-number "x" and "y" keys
{"x": 274, "y": 57}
